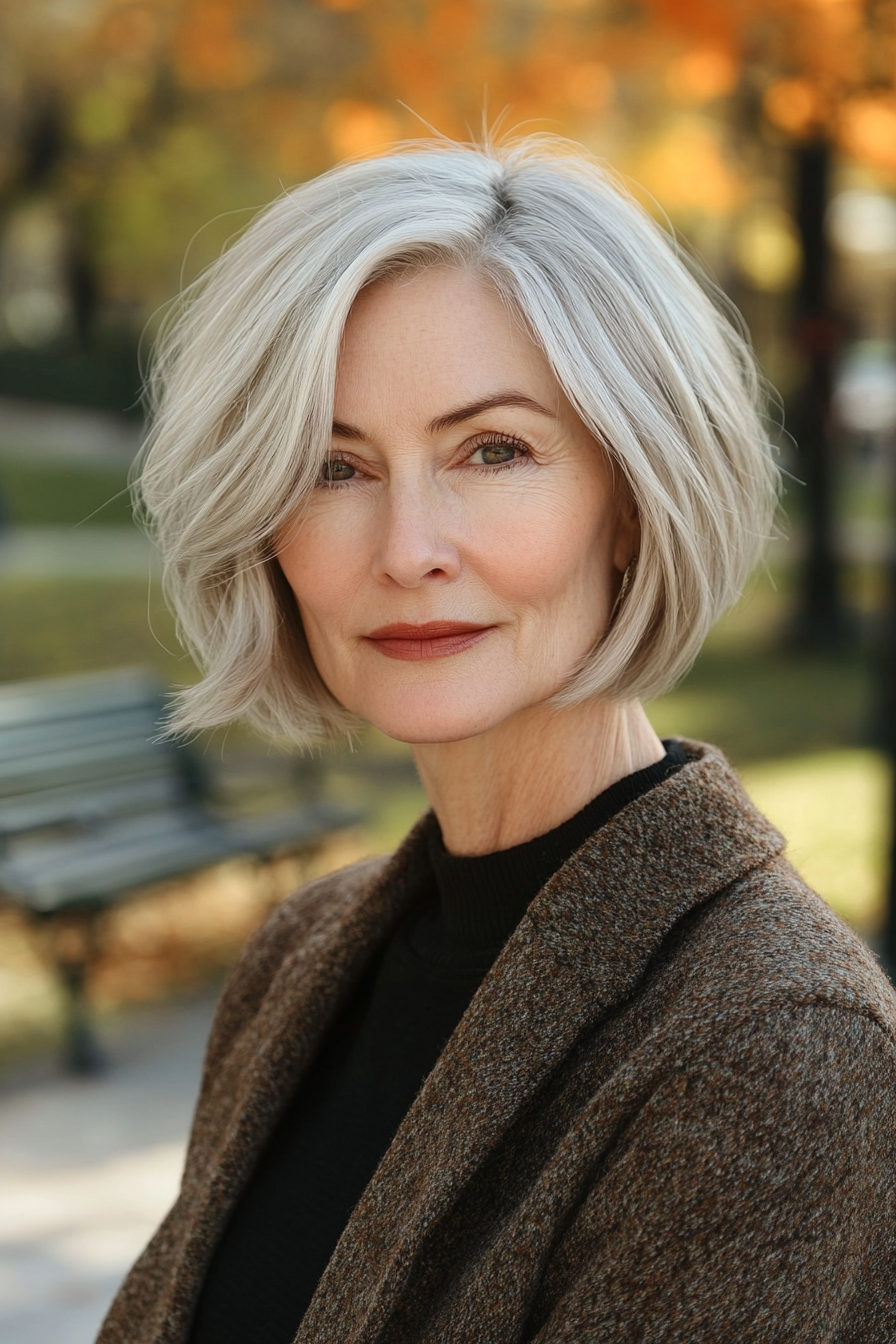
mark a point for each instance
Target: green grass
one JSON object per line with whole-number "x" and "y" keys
{"x": 758, "y": 705}
{"x": 52, "y": 627}
{"x": 833, "y": 807}
{"x": 48, "y": 493}
{"x": 755, "y": 698}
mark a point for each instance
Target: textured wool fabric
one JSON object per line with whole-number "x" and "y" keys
{"x": 669, "y": 1113}
{"x": 368, "y": 1070}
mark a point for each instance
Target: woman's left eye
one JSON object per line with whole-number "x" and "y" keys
{"x": 336, "y": 469}
{"x": 496, "y": 454}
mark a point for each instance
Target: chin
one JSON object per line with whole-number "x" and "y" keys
{"x": 429, "y": 717}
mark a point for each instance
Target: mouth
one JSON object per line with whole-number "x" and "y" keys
{"x": 434, "y": 639}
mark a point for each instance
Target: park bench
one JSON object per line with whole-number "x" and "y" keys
{"x": 93, "y": 806}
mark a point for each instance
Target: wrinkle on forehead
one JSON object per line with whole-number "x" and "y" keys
{"x": 447, "y": 331}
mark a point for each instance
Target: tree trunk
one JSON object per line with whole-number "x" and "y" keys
{"x": 819, "y": 620}
{"x": 888, "y": 734}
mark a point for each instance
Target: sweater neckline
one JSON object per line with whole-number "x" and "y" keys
{"x": 482, "y": 898}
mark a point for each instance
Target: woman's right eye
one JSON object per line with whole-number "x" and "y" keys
{"x": 336, "y": 469}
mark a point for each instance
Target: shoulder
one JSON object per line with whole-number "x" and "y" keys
{"x": 778, "y": 1025}
{"x": 760, "y": 934}
{"x": 772, "y": 941}
{"x": 707, "y": 909}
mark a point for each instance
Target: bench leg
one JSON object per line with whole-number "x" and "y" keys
{"x": 81, "y": 1051}
{"x": 73, "y": 949}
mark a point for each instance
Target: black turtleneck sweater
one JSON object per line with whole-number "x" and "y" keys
{"x": 372, "y": 1064}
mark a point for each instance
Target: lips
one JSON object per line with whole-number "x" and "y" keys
{"x": 433, "y": 639}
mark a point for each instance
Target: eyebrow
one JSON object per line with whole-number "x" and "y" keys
{"x": 458, "y": 416}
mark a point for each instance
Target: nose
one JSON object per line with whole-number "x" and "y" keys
{"x": 415, "y": 541}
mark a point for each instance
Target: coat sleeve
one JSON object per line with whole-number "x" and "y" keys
{"x": 752, "y": 1198}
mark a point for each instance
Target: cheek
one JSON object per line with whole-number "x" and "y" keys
{"x": 318, "y": 568}
{"x": 545, "y": 550}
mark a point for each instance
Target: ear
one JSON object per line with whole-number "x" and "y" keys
{"x": 628, "y": 528}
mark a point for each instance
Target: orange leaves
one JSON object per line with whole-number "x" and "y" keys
{"x": 129, "y": 32}
{"x": 826, "y": 41}
{"x": 828, "y": 66}
{"x": 717, "y": 22}
{"x": 455, "y": 24}
{"x": 702, "y": 73}
{"x": 588, "y": 86}
{"x": 796, "y": 106}
{"x": 686, "y": 170}
{"x": 844, "y": 90}
{"x": 355, "y": 128}
{"x": 867, "y": 129}
{"x": 211, "y": 47}
{"x": 438, "y": 57}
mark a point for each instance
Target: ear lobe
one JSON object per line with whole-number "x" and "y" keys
{"x": 628, "y": 531}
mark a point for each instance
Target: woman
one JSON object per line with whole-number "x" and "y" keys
{"x": 452, "y": 442}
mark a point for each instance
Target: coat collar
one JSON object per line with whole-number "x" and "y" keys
{"x": 584, "y": 943}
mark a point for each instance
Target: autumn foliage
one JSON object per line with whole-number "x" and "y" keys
{"x": 175, "y": 112}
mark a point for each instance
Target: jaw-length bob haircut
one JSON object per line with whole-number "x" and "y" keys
{"x": 242, "y": 394}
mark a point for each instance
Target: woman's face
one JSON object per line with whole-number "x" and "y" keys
{"x": 462, "y": 552}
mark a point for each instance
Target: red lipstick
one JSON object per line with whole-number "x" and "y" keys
{"x": 433, "y": 639}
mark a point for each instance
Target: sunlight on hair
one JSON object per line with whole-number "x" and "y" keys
{"x": 650, "y": 355}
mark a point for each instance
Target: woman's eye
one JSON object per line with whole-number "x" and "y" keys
{"x": 336, "y": 469}
{"x": 496, "y": 454}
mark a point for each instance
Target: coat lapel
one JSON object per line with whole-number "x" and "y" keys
{"x": 583, "y": 945}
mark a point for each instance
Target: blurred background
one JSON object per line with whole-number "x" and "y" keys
{"x": 136, "y": 138}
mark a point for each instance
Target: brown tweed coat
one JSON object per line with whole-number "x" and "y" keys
{"x": 669, "y": 1113}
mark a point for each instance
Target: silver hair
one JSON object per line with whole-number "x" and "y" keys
{"x": 647, "y": 352}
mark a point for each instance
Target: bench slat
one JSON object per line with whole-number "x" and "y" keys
{"x": 94, "y": 807}
{"x": 139, "y": 724}
{"x": 103, "y": 761}
{"x": 79, "y": 806}
{"x": 89, "y": 733}
{"x": 81, "y": 752}
{"x": 96, "y": 868}
{"x": 58, "y": 698}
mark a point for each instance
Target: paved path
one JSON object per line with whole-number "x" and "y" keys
{"x": 36, "y": 430}
{"x": 76, "y": 437}
{"x": 94, "y": 552}
{"x": 88, "y": 1168}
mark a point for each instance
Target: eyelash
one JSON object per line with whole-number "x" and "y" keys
{"x": 484, "y": 440}
{"x": 487, "y": 440}
{"x": 323, "y": 483}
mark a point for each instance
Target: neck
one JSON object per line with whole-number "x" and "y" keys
{"x": 529, "y": 774}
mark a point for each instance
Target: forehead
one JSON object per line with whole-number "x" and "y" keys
{"x": 424, "y": 339}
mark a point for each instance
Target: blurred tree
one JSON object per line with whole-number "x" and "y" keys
{"x": 169, "y": 112}
{"x": 820, "y": 621}
{"x": 828, "y": 68}
{"x": 887, "y": 689}
{"x": 146, "y": 117}
{"x": 821, "y": 73}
